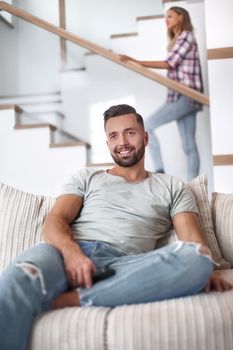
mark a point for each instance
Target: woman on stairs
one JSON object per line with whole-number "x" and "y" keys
{"x": 183, "y": 65}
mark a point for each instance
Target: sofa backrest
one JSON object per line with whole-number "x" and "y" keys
{"x": 22, "y": 215}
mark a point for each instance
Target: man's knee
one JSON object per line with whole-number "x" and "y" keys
{"x": 29, "y": 269}
{"x": 198, "y": 258}
{"x": 34, "y": 274}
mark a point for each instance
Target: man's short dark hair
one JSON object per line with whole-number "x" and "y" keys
{"x": 116, "y": 111}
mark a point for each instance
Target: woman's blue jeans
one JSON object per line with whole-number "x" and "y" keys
{"x": 37, "y": 276}
{"x": 185, "y": 115}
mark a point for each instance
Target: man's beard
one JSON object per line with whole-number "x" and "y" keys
{"x": 128, "y": 161}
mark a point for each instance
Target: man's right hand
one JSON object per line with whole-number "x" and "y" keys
{"x": 57, "y": 232}
{"x": 79, "y": 268}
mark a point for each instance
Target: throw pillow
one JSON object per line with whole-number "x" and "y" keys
{"x": 222, "y": 212}
{"x": 198, "y": 186}
{"x": 21, "y": 218}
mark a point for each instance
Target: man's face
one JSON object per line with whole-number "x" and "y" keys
{"x": 126, "y": 140}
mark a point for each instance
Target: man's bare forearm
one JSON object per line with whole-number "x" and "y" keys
{"x": 188, "y": 227}
{"x": 78, "y": 267}
{"x": 57, "y": 232}
{"x": 56, "y": 229}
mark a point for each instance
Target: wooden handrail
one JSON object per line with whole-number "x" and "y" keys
{"x": 220, "y": 53}
{"x": 184, "y": 90}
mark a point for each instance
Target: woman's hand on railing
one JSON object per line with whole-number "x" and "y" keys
{"x": 125, "y": 58}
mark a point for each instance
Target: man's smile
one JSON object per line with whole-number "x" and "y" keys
{"x": 124, "y": 151}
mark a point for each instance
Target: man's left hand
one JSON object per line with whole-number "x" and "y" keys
{"x": 217, "y": 283}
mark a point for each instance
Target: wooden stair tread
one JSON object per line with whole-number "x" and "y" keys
{"x": 70, "y": 144}
{"x": 144, "y": 18}
{"x": 74, "y": 69}
{"x": 36, "y": 94}
{"x": 44, "y": 112}
{"x": 29, "y": 103}
{"x": 45, "y": 125}
{"x": 123, "y": 35}
{"x": 76, "y": 141}
{"x": 35, "y": 126}
{"x": 11, "y": 106}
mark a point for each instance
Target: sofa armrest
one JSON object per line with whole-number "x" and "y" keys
{"x": 222, "y": 213}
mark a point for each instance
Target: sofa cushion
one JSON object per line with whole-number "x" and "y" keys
{"x": 222, "y": 211}
{"x": 203, "y": 321}
{"x": 70, "y": 328}
{"x": 21, "y": 218}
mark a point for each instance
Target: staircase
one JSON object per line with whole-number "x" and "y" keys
{"x": 37, "y": 108}
{"x": 31, "y": 158}
{"x": 78, "y": 107}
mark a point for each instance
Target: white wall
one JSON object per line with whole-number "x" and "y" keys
{"x": 219, "y": 29}
{"x": 221, "y": 94}
{"x": 38, "y": 50}
{"x": 97, "y": 20}
{"x": 29, "y": 56}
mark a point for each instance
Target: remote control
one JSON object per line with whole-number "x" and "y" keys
{"x": 102, "y": 273}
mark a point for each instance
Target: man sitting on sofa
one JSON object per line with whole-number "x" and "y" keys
{"x": 109, "y": 219}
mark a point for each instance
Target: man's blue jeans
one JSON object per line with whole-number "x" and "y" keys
{"x": 37, "y": 276}
{"x": 185, "y": 115}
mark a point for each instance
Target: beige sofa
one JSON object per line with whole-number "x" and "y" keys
{"x": 204, "y": 321}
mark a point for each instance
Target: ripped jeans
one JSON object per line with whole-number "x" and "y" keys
{"x": 37, "y": 276}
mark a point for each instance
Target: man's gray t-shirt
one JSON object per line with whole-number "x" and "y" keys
{"x": 131, "y": 216}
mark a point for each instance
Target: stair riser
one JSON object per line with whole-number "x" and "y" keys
{"x": 53, "y": 118}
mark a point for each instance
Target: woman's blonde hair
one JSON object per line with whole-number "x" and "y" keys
{"x": 185, "y": 24}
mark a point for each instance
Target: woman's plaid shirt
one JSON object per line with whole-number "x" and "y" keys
{"x": 183, "y": 58}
